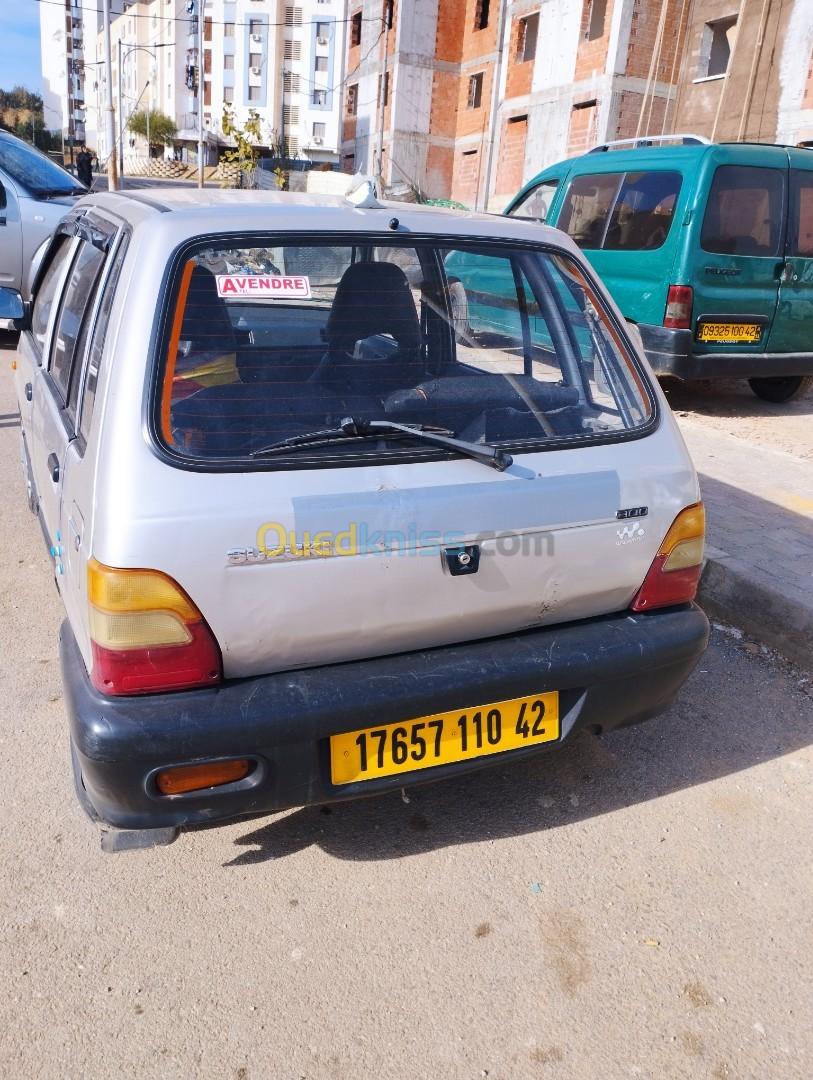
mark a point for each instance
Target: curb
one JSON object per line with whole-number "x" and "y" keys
{"x": 737, "y": 593}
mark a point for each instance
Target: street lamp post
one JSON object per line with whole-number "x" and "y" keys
{"x": 110, "y": 114}
{"x": 122, "y": 57}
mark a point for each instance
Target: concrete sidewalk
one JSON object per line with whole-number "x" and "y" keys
{"x": 759, "y": 571}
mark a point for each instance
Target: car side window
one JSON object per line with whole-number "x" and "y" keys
{"x": 76, "y": 303}
{"x": 46, "y": 294}
{"x": 630, "y": 211}
{"x": 97, "y": 347}
{"x": 800, "y": 236}
{"x": 536, "y": 203}
{"x": 745, "y": 210}
{"x": 2, "y": 196}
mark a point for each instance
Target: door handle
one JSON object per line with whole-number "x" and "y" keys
{"x": 29, "y": 391}
{"x": 53, "y": 467}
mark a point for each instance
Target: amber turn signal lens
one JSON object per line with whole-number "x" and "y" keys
{"x": 185, "y": 778}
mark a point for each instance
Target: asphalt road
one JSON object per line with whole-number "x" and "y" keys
{"x": 636, "y": 906}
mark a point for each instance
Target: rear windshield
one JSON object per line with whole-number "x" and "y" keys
{"x": 629, "y": 211}
{"x": 501, "y": 346}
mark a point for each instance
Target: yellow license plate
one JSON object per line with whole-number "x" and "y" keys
{"x": 723, "y": 333}
{"x": 458, "y": 735}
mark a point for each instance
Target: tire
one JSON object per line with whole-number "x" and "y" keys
{"x": 459, "y": 305}
{"x": 781, "y": 388}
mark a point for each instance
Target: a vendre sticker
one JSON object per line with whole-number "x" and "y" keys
{"x": 267, "y": 285}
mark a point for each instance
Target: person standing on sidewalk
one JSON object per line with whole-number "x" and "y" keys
{"x": 84, "y": 166}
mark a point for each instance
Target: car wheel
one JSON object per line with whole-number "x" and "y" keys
{"x": 781, "y": 388}
{"x": 459, "y": 305}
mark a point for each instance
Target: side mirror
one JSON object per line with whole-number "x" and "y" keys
{"x": 13, "y": 309}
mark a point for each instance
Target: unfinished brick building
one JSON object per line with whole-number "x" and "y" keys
{"x": 466, "y": 99}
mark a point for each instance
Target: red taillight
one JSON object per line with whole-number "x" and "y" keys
{"x": 674, "y": 575}
{"x": 678, "y": 314}
{"x": 146, "y": 634}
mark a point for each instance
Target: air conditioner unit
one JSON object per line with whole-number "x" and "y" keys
{"x": 317, "y": 140}
{"x": 256, "y": 71}
{"x": 256, "y": 37}
{"x": 321, "y": 41}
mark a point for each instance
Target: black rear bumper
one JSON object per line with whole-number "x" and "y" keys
{"x": 610, "y": 671}
{"x": 670, "y": 352}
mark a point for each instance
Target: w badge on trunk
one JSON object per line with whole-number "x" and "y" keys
{"x": 462, "y": 560}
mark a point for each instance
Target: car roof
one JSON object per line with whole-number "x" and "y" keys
{"x": 190, "y": 210}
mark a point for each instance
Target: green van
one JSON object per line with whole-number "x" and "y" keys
{"x": 707, "y": 247}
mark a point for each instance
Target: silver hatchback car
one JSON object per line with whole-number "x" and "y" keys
{"x": 342, "y": 498}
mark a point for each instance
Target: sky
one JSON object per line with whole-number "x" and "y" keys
{"x": 20, "y": 45}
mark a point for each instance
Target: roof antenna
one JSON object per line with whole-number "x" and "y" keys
{"x": 363, "y": 193}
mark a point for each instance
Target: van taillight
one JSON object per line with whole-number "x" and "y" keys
{"x": 146, "y": 634}
{"x": 678, "y": 315}
{"x": 674, "y": 575}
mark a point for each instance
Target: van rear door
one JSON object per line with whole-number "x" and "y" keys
{"x": 737, "y": 255}
{"x": 790, "y": 332}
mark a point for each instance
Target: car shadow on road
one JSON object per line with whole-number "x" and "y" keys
{"x": 705, "y": 735}
{"x": 729, "y": 398}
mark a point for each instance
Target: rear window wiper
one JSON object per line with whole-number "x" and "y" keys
{"x": 352, "y": 428}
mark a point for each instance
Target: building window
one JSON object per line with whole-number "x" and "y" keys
{"x": 598, "y": 15}
{"x": 207, "y": 28}
{"x": 527, "y": 33}
{"x": 290, "y": 82}
{"x": 228, "y": 29}
{"x": 228, "y": 63}
{"x": 481, "y": 14}
{"x": 292, "y": 50}
{"x": 255, "y": 60}
{"x": 475, "y": 97}
{"x": 254, "y": 93}
{"x": 322, "y": 31}
{"x": 352, "y": 99}
{"x": 715, "y": 48}
{"x": 228, "y": 94}
{"x": 320, "y": 63}
{"x": 320, "y": 97}
{"x": 293, "y": 16}
{"x": 319, "y": 131}
{"x": 255, "y": 26}
{"x": 355, "y": 29}
{"x": 290, "y": 115}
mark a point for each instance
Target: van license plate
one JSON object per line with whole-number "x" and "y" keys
{"x": 443, "y": 738}
{"x": 728, "y": 333}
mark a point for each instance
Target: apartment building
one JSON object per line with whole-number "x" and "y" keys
{"x": 467, "y": 99}
{"x": 68, "y": 30}
{"x": 284, "y": 61}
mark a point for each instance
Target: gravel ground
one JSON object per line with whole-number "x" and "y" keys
{"x": 729, "y": 405}
{"x": 636, "y": 906}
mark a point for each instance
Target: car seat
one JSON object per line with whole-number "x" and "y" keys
{"x": 373, "y": 333}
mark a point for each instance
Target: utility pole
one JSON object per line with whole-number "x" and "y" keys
{"x": 121, "y": 113}
{"x": 110, "y": 115}
{"x": 200, "y": 93}
{"x": 149, "y": 148}
{"x": 494, "y": 113}
{"x": 379, "y": 168}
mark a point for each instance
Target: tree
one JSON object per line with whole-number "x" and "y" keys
{"x": 246, "y": 138}
{"x": 162, "y": 128}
